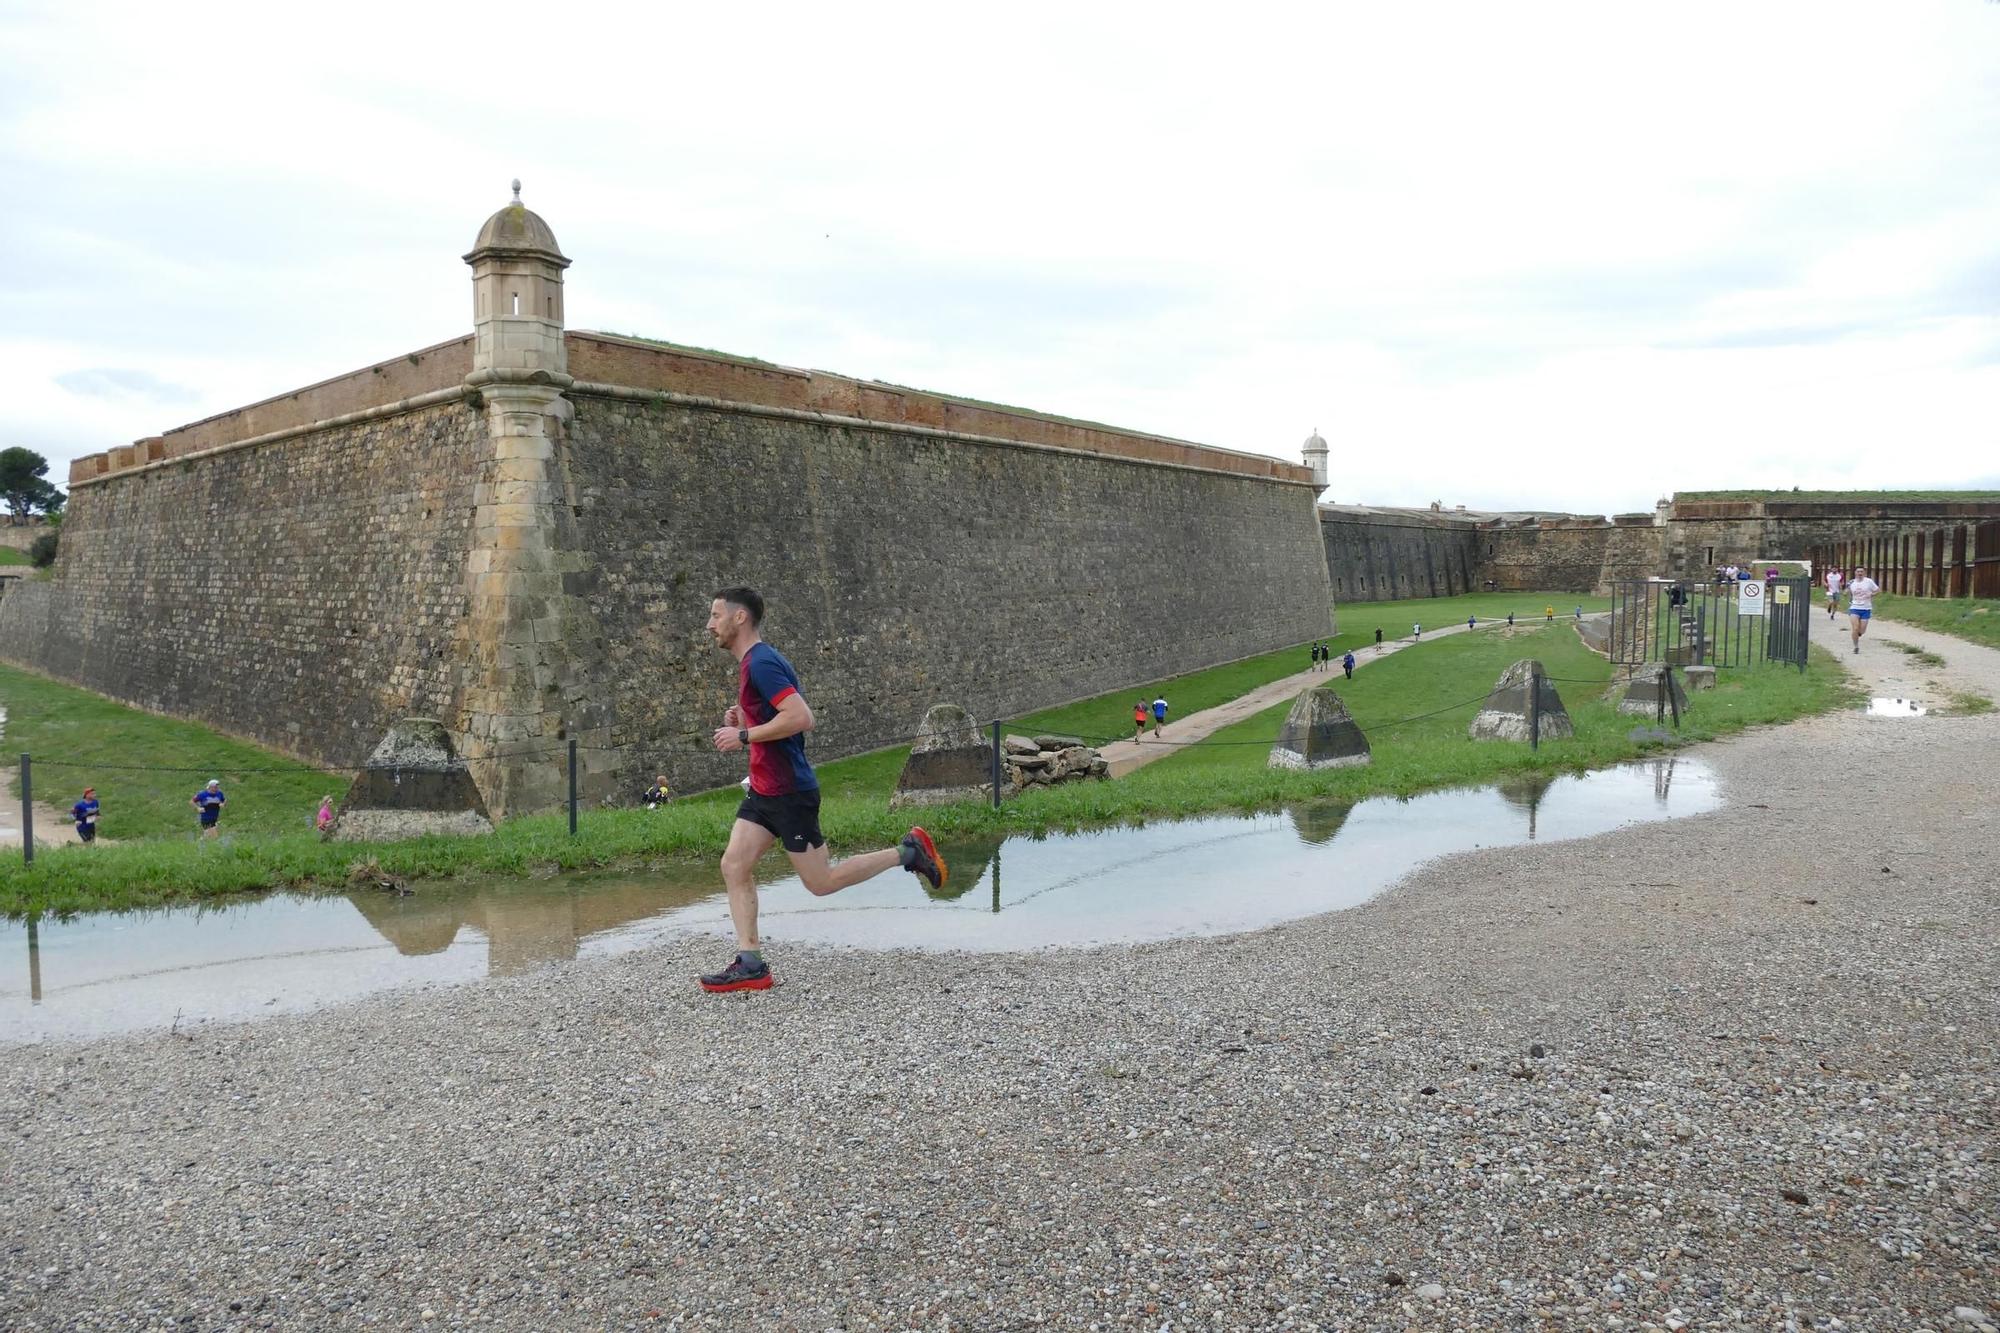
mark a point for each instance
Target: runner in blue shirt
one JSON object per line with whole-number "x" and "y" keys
{"x": 209, "y": 802}
{"x": 1159, "y": 716}
{"x": 84, "y": 812}
{"x": 770, "y": 719}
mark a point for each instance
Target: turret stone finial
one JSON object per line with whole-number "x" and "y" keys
{"x": 517, "y": 189}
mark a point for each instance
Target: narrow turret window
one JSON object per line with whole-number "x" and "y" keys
{"x": 517, "y": 303}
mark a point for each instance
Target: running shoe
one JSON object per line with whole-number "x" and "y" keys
{"x": 927, "y": 861}
{"x": 739, "y": 975}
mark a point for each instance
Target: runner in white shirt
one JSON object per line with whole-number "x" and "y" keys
{"x": 1833, "y": 581}
{"x": 1861, "y": 592}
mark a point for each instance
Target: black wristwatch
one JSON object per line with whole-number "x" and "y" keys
{"x": 743, "y": 735}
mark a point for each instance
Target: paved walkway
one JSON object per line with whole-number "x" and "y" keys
{"x": 1132, "y": 755}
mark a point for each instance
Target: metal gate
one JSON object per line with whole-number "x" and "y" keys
{"x": 1702, "y": 624}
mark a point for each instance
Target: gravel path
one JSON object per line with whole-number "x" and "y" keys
{"x": 1735, "y": 1071}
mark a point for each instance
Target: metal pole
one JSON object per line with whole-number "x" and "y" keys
{"x": 1535, "y": 706}
{"x": 996, "y": 769}
{"x": 27, "y": 813}
{"x": 572, "y": 786}
{"x": 1667, "y": 680}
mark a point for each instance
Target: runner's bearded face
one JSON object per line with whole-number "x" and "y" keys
{"x": 725, "y": 622}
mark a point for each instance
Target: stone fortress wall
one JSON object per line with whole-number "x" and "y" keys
{"x": 1384, "y": 554}
{"x": 1389, "y": 555}
{"x": 303, "y": 593}
{"x": 518, "y": 533}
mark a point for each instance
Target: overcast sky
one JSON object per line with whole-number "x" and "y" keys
{"x": 1562, "y": 256}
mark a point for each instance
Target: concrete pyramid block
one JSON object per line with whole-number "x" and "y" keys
{"x": 951, "y": 761}
{"x": 1505, "y": 716}
{"x": 1643, "y": 696}
{"x": 414, "y": 783}
{"x": 1319, "y": 733}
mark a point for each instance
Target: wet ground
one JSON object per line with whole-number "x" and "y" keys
{"x": 284, "y": 952}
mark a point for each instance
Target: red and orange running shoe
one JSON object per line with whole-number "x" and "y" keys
{"x": 927, "y": 861}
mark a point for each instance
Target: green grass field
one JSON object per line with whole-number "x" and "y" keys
{"x": 78, "y": 738}
{"x": 10, "y": 556}
{"x": 1450, "y": 674}
{"x": 1971, "y": 619}
{"x": 1110, "y": 715}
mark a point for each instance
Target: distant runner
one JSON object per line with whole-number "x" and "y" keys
{"x": 1139, "y": 720}
{"x": 1833, "y": 582}
{"x": 1860, "y": 604}
{"x": 770, "y": 718}
{"x": 1159, "y": 715}
{"x": 1347, "y": 665}
{"x": 1417, "y": 631}
{"x": 208, "y": 803}
{"x": 84, "y": 812}
{"x": 1378, "y": 638}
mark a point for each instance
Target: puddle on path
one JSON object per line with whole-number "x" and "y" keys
{"x": 1896, "y": 708}
{"x": 113, "y": 972}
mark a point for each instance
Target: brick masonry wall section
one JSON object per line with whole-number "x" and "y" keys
{"x": 607, "y": 359}
{"x": 426, "y": 371}
{"x": 304, "y": 593}
{"x": 1388, "y": 558}
{"x": 904, "y": 570}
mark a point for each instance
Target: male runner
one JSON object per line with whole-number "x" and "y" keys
{"x": 771, "y": 718}
{"x": 208, "y": 803}
{"x": 1833, "y": 581}
{"x": 1861, "y": 592}
{"x": 1159, "y": 715}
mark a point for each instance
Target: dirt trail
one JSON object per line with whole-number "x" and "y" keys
{"x": 51, "y": 825}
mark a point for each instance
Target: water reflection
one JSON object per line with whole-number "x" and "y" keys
{"x": 1317, "y": 822}
{"x": 1879, "y": 707}
{"x": 120, "y": 971}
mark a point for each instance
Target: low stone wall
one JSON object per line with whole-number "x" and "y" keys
{"x": 20, "y": 536}
{"x": 1570, "y": 555}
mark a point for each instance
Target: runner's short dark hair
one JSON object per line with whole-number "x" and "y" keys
{"x": 747, "y": 598}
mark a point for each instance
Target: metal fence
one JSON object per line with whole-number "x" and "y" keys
{"x": 1706, "y": 624}
{"x": 1961, "y": 561}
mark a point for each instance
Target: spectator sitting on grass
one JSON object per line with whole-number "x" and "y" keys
{"x": 323, "y": 821}
{"x": 656, "y": 795}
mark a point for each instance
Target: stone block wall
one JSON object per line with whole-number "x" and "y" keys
{"x": 1706, "y": 533}
{"x": 903, "y": 569}
{"x": 304, "y": 592}
{"x": 1570, "y": 555}
{"x": 1377, "y": 557}
{"x": 20, "y": 536}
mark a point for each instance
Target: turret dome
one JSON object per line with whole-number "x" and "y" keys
{"x": 517, "y": 230}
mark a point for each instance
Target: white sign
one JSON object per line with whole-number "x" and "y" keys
{"x": 1749, "y": 598}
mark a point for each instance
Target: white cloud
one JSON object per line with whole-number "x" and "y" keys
{"x": 1569, "y": 255}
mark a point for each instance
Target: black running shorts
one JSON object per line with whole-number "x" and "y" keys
{"x": 793, "y": 817}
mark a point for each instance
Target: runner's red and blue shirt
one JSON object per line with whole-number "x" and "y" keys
{"x": 777, "y": 768}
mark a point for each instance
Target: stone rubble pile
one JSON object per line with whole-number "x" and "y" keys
{"x": 1044, "y": 761}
